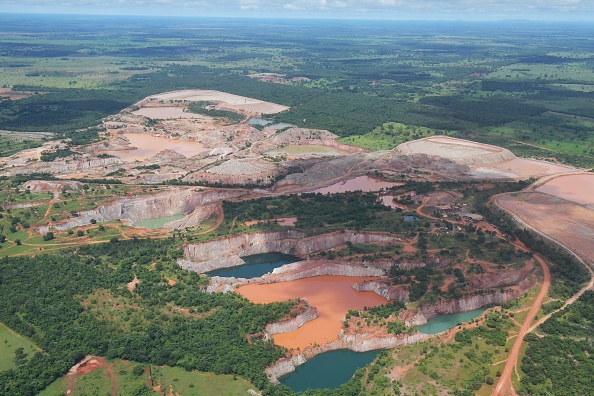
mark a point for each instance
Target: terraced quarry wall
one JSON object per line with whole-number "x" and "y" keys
{"x": 132, "y": 210}
{"x": 226, "y": 252}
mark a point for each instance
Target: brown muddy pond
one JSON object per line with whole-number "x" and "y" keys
{"x": 363, "y": 183}
{"x": 333, "y": 296}
{"x": 575, "y": 188}
{"x": 147, "y": 146}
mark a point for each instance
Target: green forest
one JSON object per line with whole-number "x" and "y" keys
{"x": 52, "y": 300}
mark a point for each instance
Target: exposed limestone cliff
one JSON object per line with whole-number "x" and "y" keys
{"x": 309, "y": 268}
{"x": 286, "y": 326}
{"x": 381, "y": 288}
{"x": 226, "y": 252}
{"x": 501, "y": 279}
{"x": 469, "y": 303}
{"x": 294, "y": 271}
{"x": 52, "y": 185}
{"x": 132, "y": 210}
{"x": 303, "y": 136}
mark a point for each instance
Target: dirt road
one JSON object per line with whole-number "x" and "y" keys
{"x": 87, "y": 366}
{"x": 504, "y": 385}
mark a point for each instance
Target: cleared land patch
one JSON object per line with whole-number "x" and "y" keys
{"x": 457, "y": 150}
{"x": 232, "y": 102}
{"x": 167, "y": 113}
{"x": 569, "y": 223}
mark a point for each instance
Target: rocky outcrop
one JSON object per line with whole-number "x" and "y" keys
{"x": 412, "y": 318}
{"x": 132, "y": 210}
{"x": 308, "y": 314}
{"x": 226, "y": 252}
{"x": 501, "y": 279}
{"x": 24, "y": 205}
{"x": 66, "y": 165}
{"x": 381, "y": 288}
{"x": 52, "y": 185}
{"x": 295, "y": 271}
{"x": 303, "y": 136}
{"x": 323, "y": 171}
{"x": 470, "y": 303}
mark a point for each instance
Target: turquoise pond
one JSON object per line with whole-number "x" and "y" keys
{"x": 334, "y": 368}
{"x": 158, "y": 223}
{"x": 411, "y": 218}
{"x": 440, "y": 323}
{"x": 258, "y": 121}
{"x": 255, "y": 266}
{"x": 328, "y": 370}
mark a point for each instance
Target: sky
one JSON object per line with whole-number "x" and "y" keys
{"x": 562, "y": 10}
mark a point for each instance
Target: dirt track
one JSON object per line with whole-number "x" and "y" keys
{"x": 504, "y": 385}
{"x": 86, "y": 366}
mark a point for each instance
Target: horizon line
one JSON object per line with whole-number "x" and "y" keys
{"x": 294, "y": 18}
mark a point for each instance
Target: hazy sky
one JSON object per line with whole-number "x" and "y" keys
{"x": 364, "y": 9}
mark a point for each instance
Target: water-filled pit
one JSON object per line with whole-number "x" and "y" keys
{"x": 158, "y": 223}
{"x": 327, "y": 370}
{"x": 362, "y": 183}
{"x": 148, "y": 145}
{"x": 255, "y": 266}
{"x": 333, "y": 296}
{"x": 439, "y": 323}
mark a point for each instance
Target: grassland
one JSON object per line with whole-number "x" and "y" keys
{"x": 9, "y": 343}
{"x": 390, "y": 135}
{"x": 133, "y": 378}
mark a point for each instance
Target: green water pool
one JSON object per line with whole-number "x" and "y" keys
{"x": 440, "y": 323}
{"x": 327, "y": 370}
{"x": 158, "y": 223}
{"x": 255, "y": 266}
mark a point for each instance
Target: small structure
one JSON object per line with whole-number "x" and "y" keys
{"x": 445, "y": 209}
{"x": 472, "y": 217}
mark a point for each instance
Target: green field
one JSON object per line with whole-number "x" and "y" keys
{"x": 9, "y": 343}
{"x": 129, "y": 380}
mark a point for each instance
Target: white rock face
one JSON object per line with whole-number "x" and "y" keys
{"x": 132, "y": 210}
{"x": 226, "y": 252}
{"x": 309, "y": 313}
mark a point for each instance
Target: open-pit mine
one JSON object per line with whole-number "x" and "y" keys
{"x": 421, "y": 245}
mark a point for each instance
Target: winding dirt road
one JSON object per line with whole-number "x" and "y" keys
{"x": 504, "y": 385}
